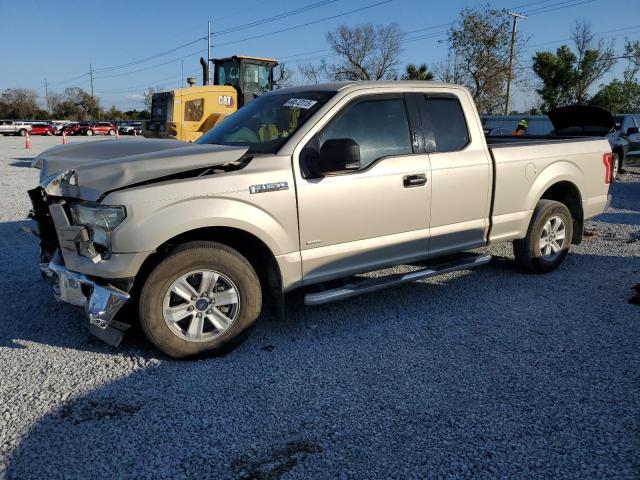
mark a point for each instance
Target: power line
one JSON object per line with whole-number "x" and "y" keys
{"x": 273, "y": 18}
{"x": 366, "y": 7}
{"x": 553, "y": 8}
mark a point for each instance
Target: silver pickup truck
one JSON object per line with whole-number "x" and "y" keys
{"x": 11, "y": 127}
{"x": 302, "y": 188}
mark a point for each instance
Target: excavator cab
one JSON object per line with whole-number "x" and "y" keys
{"x": 250, "y": 76}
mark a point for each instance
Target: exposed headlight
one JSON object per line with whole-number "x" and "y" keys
{"x": 100, "y": 221}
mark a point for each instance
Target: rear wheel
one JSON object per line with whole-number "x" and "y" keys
{"x": 112, "y": 132}
{"x": 548, "y": 238}
{"x": 204, "y": 298}
{"x": 89, "y": 133}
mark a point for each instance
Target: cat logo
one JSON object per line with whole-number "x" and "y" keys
{"x": 226, "y": 100}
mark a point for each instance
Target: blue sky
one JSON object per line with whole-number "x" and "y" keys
{"x": 58, "y": 40}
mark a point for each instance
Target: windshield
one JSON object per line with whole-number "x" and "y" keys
{"x": 265, "y": 124}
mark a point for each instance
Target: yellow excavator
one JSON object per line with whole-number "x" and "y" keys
{"x": 187, "y": 113}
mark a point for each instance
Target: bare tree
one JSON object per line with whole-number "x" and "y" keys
{"x": 148, "y": 96}
{"x": 312, "y": 73}
{"x": 283, "y": 75}
{"x": 594, "y": 60}
{"x": 450, "y": 71}
{"x": 366, "y": 52}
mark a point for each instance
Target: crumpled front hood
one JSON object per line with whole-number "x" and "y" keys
{"x": 89, "y": 170}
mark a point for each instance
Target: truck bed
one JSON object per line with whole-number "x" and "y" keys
{"x": 521, "y": 174}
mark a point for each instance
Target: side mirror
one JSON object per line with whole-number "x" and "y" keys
{"x": 338, "y": 155}
{"x": 632, "y": 130}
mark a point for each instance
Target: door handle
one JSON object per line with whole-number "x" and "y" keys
{"x": 415, "y": 180}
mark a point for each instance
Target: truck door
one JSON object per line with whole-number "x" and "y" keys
{"x": 461, "y": 173}
{"x": 372, "y": 217}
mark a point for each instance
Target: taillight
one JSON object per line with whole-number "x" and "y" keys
{"x": 607, "y": 159}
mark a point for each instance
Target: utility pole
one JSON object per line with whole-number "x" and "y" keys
{"x": 182, "y": 73}
{"x": 46, "y": 95}
{"x": 514, "y": 30}
{"x": 91, "y": 75}
{"x": 209, "y": 47}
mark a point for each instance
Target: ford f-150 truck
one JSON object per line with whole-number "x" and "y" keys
{"x": 303, "y": 187}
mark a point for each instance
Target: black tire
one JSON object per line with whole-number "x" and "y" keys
{"x": 527, "y": 250}
{"x": 112, "y": 132}
{"x": 22, "y": 132}
{"x": 89, "y": 133}
{"x": 184, "y": 259}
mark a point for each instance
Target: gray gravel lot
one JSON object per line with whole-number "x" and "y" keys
{"x": 482, "y": 374}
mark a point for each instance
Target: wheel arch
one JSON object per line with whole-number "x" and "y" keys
{"x": 567, "y": 193}
{"x": 255, "y": 250}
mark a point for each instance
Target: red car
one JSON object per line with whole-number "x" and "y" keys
{"x": 74, "y": 128}
{"x": 42, "y": 129}
{"x": 100, "y": 128}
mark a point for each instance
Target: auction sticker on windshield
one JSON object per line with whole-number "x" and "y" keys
{"x": 300, "y": 103}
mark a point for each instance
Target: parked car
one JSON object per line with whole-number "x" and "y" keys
{"x": 11, "y": 127}
{"x": 59, "y": 125}
{"x": 350, "y": 178}
{"x": 99, "y": 128}
{"x": 628, "y": 126}
{"x": 130, "y": 128}
{"x": 496, "y": 131}
{"x": 75, "y": 128}
{"x": 42, "y": 129}
{"x": 591, "y": 121}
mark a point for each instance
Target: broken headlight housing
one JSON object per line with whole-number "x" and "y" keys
{"x": 100, "y": 221}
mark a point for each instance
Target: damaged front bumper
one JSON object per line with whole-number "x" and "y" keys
{"x": 101, "y": 302}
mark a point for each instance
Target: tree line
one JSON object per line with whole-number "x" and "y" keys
{"x": 72, "y": 104}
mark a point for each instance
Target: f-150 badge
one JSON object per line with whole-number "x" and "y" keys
{"x": 268, "y": 187}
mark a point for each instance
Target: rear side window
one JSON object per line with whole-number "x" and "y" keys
{"x": 193, "y": 110}
{"x": 380, "y": 127}
{"x": 445, "y": 125}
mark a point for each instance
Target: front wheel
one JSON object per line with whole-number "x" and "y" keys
{"x": 548, "y": 238}
{"x": 112, "y": 132}
{"x": 22, "y": 133}
{"x": 89, "y": 133}
{"x": 203, "y": 298}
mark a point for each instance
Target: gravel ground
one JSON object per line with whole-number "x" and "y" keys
{"x": 482, "y": 374}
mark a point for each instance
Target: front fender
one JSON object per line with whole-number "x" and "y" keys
{"x": 146, "y": 231}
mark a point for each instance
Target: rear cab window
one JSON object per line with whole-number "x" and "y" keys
{"x": 444, "y": 123}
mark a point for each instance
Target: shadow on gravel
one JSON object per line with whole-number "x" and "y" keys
{"x": 488, "y": 373}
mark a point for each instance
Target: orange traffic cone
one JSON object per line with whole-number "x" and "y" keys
{"x": 64, "y": 138}
{"x": 27, "y": 141}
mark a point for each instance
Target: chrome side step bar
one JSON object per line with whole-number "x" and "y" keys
{"x": 372, "y": 284}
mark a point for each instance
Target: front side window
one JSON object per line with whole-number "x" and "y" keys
{"x": 193, "y": 110}
{"x": 228, "y": 73}
{"x": 267, "y": 122}
{"x": 445, "y": 125}
{"x": 380, "y": 128}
